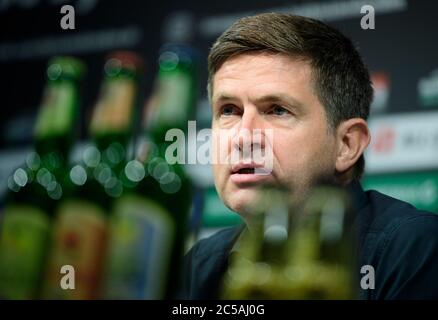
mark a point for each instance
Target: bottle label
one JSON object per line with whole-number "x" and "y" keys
{"x": 113, "y": 111}
{"x": 174, "y": 95}
{"x": 57, "y": 110}
{"x": 80, "y": 237}
{"x": 23, "y": 242}
{"x": 142, "y": 233}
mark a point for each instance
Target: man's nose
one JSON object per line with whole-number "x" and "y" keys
{"x": 250, "y": 119}
{"x": 250, "y": 133}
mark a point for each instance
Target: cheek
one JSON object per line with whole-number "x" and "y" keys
{"x": 215, "y": 146}
{"x": 290, "y": 149}
{"x": 221, "y": 146}
{"x": 220, "y": 151}
{"x": 298, "y": 150}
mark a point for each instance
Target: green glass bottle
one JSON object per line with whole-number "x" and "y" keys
{"x": 36, "y": 187}
{"x": 80, "y": 229}
{"x": 303, "y": 252}
{"x": 262, "y": 253}
{"x": 324, "y": 248}
{"x": 148, "y": 223}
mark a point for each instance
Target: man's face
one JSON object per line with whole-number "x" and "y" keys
{"x": 271, "y": 93}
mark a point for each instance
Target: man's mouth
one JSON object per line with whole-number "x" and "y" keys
{"x": 244, "y": 168}
{"x": 248, "y": 173}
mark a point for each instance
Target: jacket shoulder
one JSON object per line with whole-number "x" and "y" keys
{"x": 204, "y": 264}
{"x": 403, "y": 249}
{"x": 218, "y": 242}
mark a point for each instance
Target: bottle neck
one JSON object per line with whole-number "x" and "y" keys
{"x": 275, "y": 228}
{"x": 111, "y": 124}
{"x": 174, "y": 103}
{"x": 55, "y": 126}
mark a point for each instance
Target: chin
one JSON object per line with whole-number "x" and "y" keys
{"x": 242, "y": 201}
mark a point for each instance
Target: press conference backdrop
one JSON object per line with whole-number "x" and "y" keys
{"x": 401, "y": 52}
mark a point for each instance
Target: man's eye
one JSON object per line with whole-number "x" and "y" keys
{"x": 228, "y": 110}
{"x": 278, "y": 110}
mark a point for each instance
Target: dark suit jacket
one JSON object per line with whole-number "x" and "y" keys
{"x": 399, "y": 241}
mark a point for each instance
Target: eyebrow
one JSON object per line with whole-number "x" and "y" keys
{"x": 223, "y": 97}
{"x": 277, "y": 97}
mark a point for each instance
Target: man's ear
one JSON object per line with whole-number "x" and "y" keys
{"x": 353, "y": 136}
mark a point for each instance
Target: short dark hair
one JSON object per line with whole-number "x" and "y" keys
{"x": 341, "y": 79}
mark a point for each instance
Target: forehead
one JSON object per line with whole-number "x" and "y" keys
{"x": 261, "y": 73}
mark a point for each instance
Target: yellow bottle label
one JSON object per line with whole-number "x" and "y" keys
{"x": 80, "y": 237}
{"x": 173, "y": 98}
{"x": 58, "y": 104}
{"x": 113, "y": 111}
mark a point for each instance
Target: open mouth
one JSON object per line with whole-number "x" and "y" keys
{"x": 245, "y": 171}
{"x": 245, "y": 168}
{"x": 249, "y": 174}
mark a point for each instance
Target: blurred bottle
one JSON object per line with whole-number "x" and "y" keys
{"x": 80, "y": 229}
{"x": 37, "y": 186}
{"x": 148, "y": 224}
{"x": 324, "y": 247}
{"x": 305, "y": 252}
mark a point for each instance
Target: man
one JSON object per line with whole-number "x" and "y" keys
{"x": 305, "y": 82}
